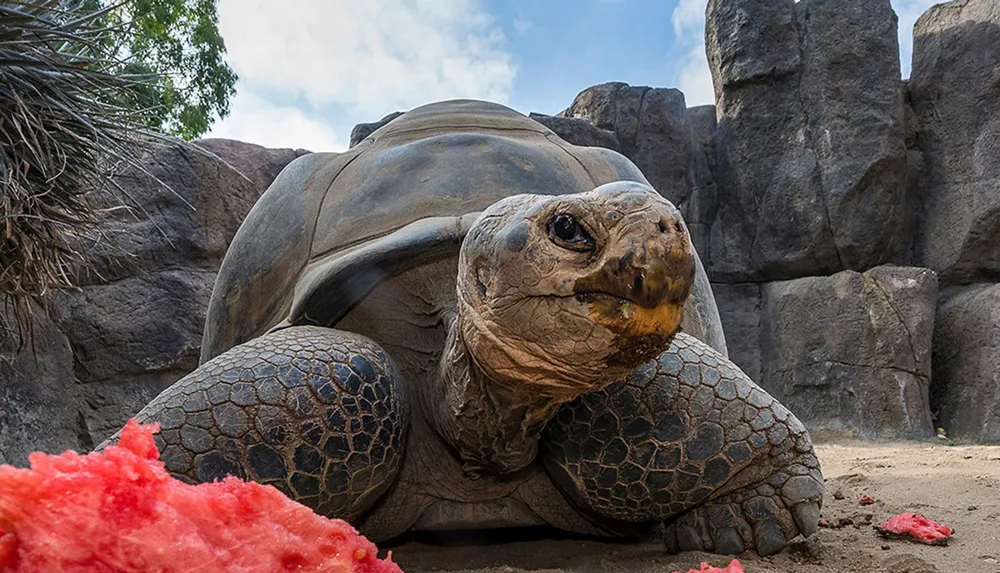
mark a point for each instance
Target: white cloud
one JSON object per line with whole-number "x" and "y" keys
{"x": 254, "y": 120}
{"x": 694, "y": 77}
{"x": 522, "y": 25}
{"x": 908, "y": 11}
{"x": 370, "y": 56}
{"x": 689, "y": 17}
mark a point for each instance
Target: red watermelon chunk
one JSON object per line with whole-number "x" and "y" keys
{"x": 917, "y": 528}
{"x": 120, "y": 511}
{"x": 734, "y": 567}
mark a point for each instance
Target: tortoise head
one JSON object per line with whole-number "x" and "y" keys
{"x": 561, "y": 295}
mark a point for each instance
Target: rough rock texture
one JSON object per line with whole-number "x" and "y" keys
{"x": 849, "y": 353}
{"x": 810, "y": 142}
{"x": 966, "y": 389}
{"x": 257, "y": 163}
{"x": 652, "y": 129}
{"x": 38, "y": 400}
{"x": 703, "y": 206}
{"x": 955, "y": 92}
{"x": 135, "y": 326}
{"x": 740, "y": 313}
{"x": 363, "y": 130}
{"x": 578, "y": 131}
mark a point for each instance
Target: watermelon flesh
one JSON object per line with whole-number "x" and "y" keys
{"x": 917, "y": 528}
{"x": 734, "y": 567}
{"x": 120, "y": 511}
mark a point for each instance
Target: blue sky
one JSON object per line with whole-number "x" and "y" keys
{"x": 563, "y": 46}
{"x": 311, "y": 69}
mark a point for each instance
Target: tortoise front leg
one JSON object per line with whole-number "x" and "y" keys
{"x": 318, "y": 413}
{"x": 690, "y": 440}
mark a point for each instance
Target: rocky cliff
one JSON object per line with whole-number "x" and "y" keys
{"x": 134, "y": 327}
{"x": 849, "y": 220}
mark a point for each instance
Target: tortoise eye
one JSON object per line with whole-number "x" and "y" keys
{"x": 566, "y": 231}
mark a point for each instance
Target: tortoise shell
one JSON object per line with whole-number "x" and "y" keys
{"x": 332, "y": 226}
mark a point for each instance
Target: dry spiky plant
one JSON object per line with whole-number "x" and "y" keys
{"x": 68, "y": 118}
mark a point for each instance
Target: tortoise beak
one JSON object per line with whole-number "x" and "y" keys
{"x": 644, "y": 277}
{"x": 647, "y": 281}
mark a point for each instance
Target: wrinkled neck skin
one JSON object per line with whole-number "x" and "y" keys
{"x": 494, "y": 428}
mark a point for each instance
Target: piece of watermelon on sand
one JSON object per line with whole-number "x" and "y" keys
{"x": 915, "y": 527}
{"x": 120, "y": 511}
{"x": 734, "y": 567}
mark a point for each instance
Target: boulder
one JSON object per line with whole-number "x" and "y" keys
{"x": 966, "y": 390}
{"x": 703, "y": 206}
{"x": 810, "y": 144}
{"x": 131, "y": 338}
{"x": 184, "y": 209}
{"x": 652, "y": 129}
{"x": 954, "y": 92}
{"x": 848, "y": 353}
{"x": 614, "y": 106}
{"x": 135, "y": 326}
{"x": 40, "y": 403}
{"x": 578, "y": 131}
{"x": 363, "y": 130}
{"x": 257, "y": 163}
{"x": 740, "y": 313}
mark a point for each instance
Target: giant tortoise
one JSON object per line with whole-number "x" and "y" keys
{"x": 465, "y": 322}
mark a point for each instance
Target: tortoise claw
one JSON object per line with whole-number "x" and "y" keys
{"x": 806, "y": 516}
{"x": 670, "y": 539}
{"x": 728, "y": 541}
{"x": 741, "y": 521}
{"x": 688, "y": 538}
{"x": 769, "y": 537}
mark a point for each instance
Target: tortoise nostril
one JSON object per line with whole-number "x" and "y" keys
{"x": 663, "y": 226}
{"x": 679, "y": 227}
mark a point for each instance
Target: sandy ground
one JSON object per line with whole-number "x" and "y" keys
{"x": 955, "y": 485}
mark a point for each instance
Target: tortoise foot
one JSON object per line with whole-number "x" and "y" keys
{"x": 691, "y": 441}
{"x": 762, "y": 518}
{"x": 318, "y": 413}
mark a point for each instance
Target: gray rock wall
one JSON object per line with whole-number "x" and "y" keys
{"x": 811, "y": 158}
{"x": 817, "y": 167}
{"x": 954, "y": 91}
{"x": 703, "y": 206}
{"x": 966, "y": 390}
{"x": 135, "y": 326}
{"x": 849, "y": 353}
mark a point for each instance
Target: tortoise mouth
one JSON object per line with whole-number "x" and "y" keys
{"x": 604, "y": 297}
{"x": 629, "y": 319}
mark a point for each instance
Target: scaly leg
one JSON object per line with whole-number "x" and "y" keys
{"x": 318, "y": 413}
{"x": 690, "y": 440}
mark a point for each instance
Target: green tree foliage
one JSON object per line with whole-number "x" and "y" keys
{"x": 85, "y": 87}
{"x": 77, "y": 98}
{"x": 176, "y": 42}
